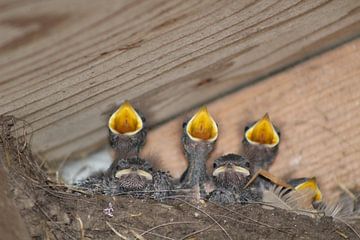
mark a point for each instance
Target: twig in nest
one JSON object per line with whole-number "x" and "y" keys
{"x": 68, "y": 187}
{"x": 341, "y": 212}
{"x": 52, "y": 221}
{"x": 116, "y": 232}
{"x": 147, "y": 191}
{"x": 82, "y": 231}
{"x": 59, "y": 194}
{"x": 248, "y": 218}
{"x": 138, "y": 236}
{"x": 196, "y": 232}
{"x": 208, "y": 215}
{"x": 39, "y": 208}
{"x": 151, "y": 233}
{"x": 343, "y": 235}
{"x": 349, "y": 226}
{"x": 163, "y": 225}
{"x": 233, "y": 219}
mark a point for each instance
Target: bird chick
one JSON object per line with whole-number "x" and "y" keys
{"x": 133, "y": 176}
{"x": 231, "y": 172}
{"x": 199, "y": 137}
{"x": 309, "y": 188}
{"x": 127, "y": 133}
{"x": 261, "y": 143}
{"x": 230, "y": 176}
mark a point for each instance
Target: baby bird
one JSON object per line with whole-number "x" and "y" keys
{"x": 230, "y": 176}
{"x": 261, "y": 143}
{"x": 137, "y": 175}
{"x": 309, "y": 188}
{"x": 133, "y": 176}
{"x": 129, "y": 174}
{"x": 199, "y": 137}
{"x": 127, "y": 133}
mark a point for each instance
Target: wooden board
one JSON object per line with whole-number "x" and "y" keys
{"x": 65, "y": 63}
{"x": 317, "y": 107}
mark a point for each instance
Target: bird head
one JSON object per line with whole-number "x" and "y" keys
{"x": 263, "y": 132}
{"x": 200, "y": 133}
{"x": 133, "y": 174}
{"x": 231, "y": 171}
{"x": 125, "y": 120}
{"x": 309, "y": 185}
{"x": 127, "y": 130}
{"x": 202, "y": 127}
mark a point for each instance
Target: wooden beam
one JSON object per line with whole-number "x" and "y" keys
{"x": 317, "y": 107}
{"x": 64, "y": 63}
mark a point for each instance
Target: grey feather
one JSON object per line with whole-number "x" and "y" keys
{"x": 300, "y": 201}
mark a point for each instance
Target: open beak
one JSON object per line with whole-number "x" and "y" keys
{"x": 128, "y": 171}
{"x": 125, "y": 120}
{"x": 310, "y": 185}
{"x": 233, "y": 168}
{"x": 202, "y": 127}
{"x": 263, "y": 132}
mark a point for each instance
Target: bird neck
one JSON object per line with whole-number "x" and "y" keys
{"x": 197, "y": 167}
{"x": 127, "y": 153}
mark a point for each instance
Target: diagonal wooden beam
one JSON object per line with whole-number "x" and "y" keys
{"x": 62, "y": 68}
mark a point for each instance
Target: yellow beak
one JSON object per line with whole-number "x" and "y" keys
{"x": 202, "y": 126}
{"x": 310, "y": 185}
{"x": 263, "y": 132}
{"x": 142, "y": 173}
{"x": 125, "y": 120}
{"x": 237, "y": 169}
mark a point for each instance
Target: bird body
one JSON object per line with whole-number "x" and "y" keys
{"x": 231, "y": 175}
{"x": 134, "y": 176}
{"x": 129, "y": 174}
{"x": 127, "y": 132}
{"x": 198, "y": 140}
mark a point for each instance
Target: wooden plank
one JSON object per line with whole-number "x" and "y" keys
{"x": 64, "y": 63}
{"x": 317, "y": 107}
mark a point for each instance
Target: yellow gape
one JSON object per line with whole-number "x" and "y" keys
{"x": 202, "y": 126}
{"x": 310, "y": 185}
{"x": 125, "y": 120}
{"x": 263, "y": 132}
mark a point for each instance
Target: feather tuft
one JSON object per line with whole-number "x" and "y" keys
{"x": 287, "y": 199}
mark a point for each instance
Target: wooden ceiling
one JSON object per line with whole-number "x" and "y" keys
{"x": 64, "y": 64}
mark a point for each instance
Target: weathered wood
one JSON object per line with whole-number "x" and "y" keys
{"x": 64, "y": 63}
{"x": 317, "y": 107}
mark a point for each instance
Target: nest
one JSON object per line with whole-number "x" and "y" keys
{"x": 52, "y": 210}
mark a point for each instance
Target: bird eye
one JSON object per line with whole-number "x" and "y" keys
{"x": 215, "y": 165}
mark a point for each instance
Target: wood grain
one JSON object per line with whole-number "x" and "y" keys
{"x": 64, "y": 63}
{"x": 317, "y": 107}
